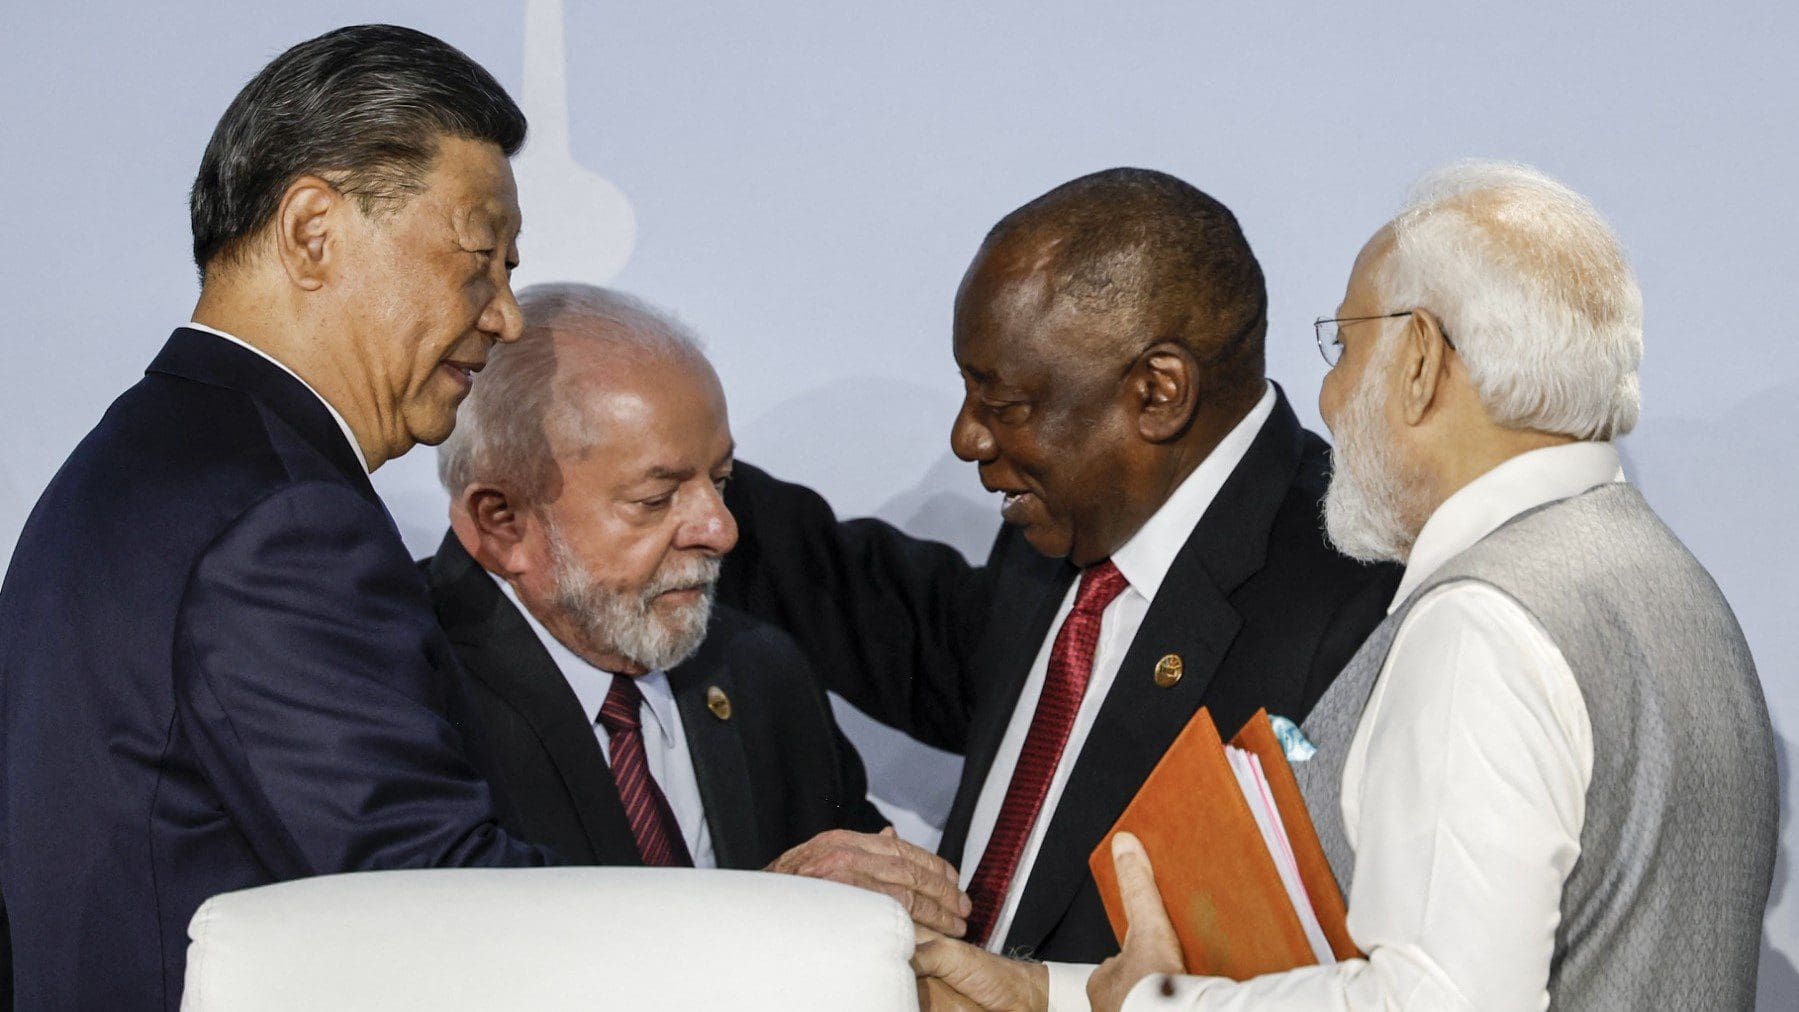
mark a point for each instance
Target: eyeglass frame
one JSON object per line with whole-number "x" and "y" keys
{"x": 1318, "y": 332}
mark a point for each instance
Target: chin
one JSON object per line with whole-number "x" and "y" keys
{"x": 1049, "y": 541}
{"x": 434, "y": 430}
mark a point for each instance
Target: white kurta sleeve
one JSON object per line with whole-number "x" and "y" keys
{"x": 1464, "y": 794}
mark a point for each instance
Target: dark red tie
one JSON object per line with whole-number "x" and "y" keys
{"x": 1070, "y": 665}
{"x": 653, "y": 823}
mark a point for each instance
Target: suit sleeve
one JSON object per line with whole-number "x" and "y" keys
{"x": 888, "y": 621}
{"x": 307, "y": 669}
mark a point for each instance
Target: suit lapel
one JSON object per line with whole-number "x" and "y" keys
{"x": 1192, "y": 618}
{"x": 720, "y": 763}
{"x": 501, "y": 651}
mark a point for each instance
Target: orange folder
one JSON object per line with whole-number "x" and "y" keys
{"x": 1217, "y": 879}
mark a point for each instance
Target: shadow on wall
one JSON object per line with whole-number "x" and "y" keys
{"x": 1777, "y": 983}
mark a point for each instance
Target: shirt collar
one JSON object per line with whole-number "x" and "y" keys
{"x": 591, "y": 682}
{"x": 1146, "y": 558}
{"x": 349, "y": 436}
{"x": 1480, "y": 507}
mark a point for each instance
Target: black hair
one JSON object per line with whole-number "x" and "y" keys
{"x": 1148, "y": 247}
{"x": 363, "y": 107}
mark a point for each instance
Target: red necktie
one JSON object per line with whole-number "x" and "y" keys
{"x": 653, "y": 823}
{"x": 1070, "y": 665}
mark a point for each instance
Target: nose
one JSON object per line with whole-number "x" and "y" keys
{"x": 712, "y": 528}
{"x": 503, "y": 318}
{"x": 968, "y": 438}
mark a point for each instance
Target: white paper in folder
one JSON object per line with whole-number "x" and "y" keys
{"x": 1248, "y": 769}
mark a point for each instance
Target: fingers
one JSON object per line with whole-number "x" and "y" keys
{"x": 923, "y": 883}
{"x": 929, "y": 901}
{"x": 1143, "y": 907}
{"x": 929, "y": 865}
{"x": 934, "y": 995}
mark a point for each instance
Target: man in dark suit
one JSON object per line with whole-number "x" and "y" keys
{"x": 1163, "y": 548}
{"x": 619, "y": 716}
{"x": 220, "y": 668}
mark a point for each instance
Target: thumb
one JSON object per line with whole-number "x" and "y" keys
{"x": 1137, "y": 886}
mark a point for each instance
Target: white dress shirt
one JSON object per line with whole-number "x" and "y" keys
{"x": 349, "y": 437}
{"x": 664, "y": 740}
{"x": 1464, "y": 789}
{"x": 1144, "y": 561}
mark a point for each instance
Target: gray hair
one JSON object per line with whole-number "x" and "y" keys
{"x": 1534, "y": 290}
{"x": 505, "y": 426}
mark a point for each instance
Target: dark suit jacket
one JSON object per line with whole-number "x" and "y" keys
{"x": 775, "y": 774}
{"x": 1262, "y": 612}
{"x": 219, "y": 669}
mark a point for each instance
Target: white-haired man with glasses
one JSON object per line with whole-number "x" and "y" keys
{"x": 1548, "y": 779}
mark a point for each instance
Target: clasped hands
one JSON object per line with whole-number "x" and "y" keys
{"x": 953, "y": 974}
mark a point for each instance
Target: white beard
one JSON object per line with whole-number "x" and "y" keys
{"x": 1371, "y": 509}
{"x": 629, "y": 624}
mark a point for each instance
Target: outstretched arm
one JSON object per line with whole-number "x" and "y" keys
{"x": 888, "y": 621}
{"x": 307, "y": 678}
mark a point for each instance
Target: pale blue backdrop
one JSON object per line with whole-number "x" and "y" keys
{"x": 804, "y": 183}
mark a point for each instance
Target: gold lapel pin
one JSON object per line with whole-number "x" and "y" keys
{"x": 720, "y": 704}
{"x": 1168, "y": 671}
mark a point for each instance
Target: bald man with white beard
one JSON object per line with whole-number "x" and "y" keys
{"x": 621, "y": 717}
{"x": 1548, "y": 779}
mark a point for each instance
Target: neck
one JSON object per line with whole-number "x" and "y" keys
{"x": 266, "y": 323}
{"x": 1457, "y": 465}
{"x": 1201, "y": 439}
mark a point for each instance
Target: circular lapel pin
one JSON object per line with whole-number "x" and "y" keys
{"x": 719, "y": 703}
{"x": 1168, "y": 671}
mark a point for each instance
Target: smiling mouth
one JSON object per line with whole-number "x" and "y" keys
{"x": 1013, "y": 504}
{"x": 465, "y": 371}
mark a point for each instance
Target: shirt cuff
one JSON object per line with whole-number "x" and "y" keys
{"x": 1160, "y": 991}
{"x": 1068, "y": 986}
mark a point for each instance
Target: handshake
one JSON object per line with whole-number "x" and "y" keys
{"x": 954, "y": 974}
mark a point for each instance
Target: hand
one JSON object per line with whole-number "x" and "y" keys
{"x": 1150, "y": 945}
{"x": 956, "y": 975}
{"x": 936, "y": 996}
{"x": 922, "y": 882}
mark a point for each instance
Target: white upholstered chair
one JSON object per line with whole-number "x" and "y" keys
{"x": 550, "y": 938}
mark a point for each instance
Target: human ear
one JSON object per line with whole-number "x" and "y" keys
{"x": 493, "y": 529}
{"x": 305, "y": 222}
{"x": 1422, "y": 363}
{"x": 1164, "y": 385}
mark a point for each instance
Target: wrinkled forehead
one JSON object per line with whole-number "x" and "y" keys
{"x": 473, "y": 181}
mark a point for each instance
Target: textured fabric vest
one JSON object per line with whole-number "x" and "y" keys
{"x": 1663, "y": 908}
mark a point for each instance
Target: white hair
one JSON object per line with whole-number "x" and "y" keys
{"x": 504, "y": 427}
{"x": 1533, "y": 290}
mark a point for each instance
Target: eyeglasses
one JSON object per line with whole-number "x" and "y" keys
{"x": 1331, "y": 346}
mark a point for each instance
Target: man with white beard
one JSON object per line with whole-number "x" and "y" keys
{"x": 1548, "y": 778}
{"x": 620, "y": 717}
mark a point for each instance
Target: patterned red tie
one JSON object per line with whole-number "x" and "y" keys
{"x": 653, "y": 823}
{"x": 1070, "y": 665}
